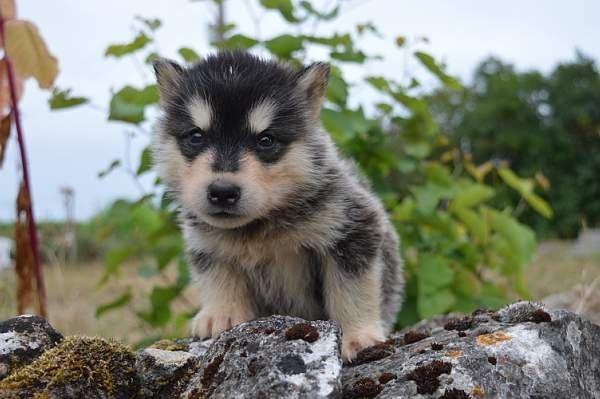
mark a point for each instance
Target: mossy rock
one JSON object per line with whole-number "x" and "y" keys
{"x": 169, "y": 345}
{"x": 23, "y": 339}
{"x": 77, "y": 367}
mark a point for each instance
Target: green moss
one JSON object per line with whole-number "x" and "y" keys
{"x": 168, "y": 345}
{"x": 78, "y": 366}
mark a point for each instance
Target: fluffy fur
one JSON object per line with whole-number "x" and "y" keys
{"x": 294, "y": 231}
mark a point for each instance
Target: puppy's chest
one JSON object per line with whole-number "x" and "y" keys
{"x": 290, "y": 283}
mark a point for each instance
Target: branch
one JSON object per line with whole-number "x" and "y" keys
{"x": 41, "y": 289}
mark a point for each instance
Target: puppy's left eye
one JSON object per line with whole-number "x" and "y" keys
{"x": 265, "y": 141}
{"x": 195, "y": 136}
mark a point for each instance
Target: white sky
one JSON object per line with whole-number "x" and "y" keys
{"x": 70, "y": 147}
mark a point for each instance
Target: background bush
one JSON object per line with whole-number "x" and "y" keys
{"x": 546, "y": 127}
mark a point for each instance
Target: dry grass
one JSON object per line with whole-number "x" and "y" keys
{"x": 564, "y": 280}
{"x": 572, "y": 282}
{"x": 73, "y": 295}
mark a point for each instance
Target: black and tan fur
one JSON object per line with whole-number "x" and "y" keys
{"x": 301, "y": 234}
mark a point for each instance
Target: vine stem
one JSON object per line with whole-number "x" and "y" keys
{"x": 33, "y": 238}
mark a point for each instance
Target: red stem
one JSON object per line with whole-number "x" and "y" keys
{"x": 41, "y": 289}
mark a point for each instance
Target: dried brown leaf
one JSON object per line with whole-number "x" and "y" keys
{"x": 7, "y": 9}
{"x": 24, "y": 262}
{"x": 5, "y": 100}
{"x": 29, "y": 54}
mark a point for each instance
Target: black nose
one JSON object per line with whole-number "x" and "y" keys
{"x": 223, "y": 194}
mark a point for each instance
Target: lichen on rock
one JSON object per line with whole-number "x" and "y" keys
{"x": 77, "y": 367}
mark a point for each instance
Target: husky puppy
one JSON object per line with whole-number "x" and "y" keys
{"x": 275, "y": 221}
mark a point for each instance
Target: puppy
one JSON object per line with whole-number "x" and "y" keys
{"x": 274, "y": 220}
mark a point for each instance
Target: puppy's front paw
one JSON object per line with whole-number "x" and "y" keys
{"x": 355, "y": 341}
{"x": 213, "y": 320}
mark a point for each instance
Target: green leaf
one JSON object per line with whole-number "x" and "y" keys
{"x": 336, "y": 124}
{"x": 150, "y": 58}
{"x": 166, "y": 254}
{"x": 183, "y": 274}
{"x": 349, "y": 56}
{"x": 403, "y": 212}
{"x": 285, "y": 7}
{"x": 368, "y": 27}
{"x": 435, "y": 275}
{"x": 119, "y": 50}
{"x": 337, "y": 90}
{"x": 145, "y": 161}
{"x": 333, "y": 41}
{"x": 434, "y": 68}
{"x": 471, "y": 196}
{"x": 515, "y": 182}
{"x": 113, "y": 165}
{"x": 160, "y": 300}
{"x": 436, "y": 303}
{"x": 345, "y": 124}
{"x": 525, "y": 188}
{"x": 326, "y": 16}
{"x": 152, "y": 23}
{"x": 117, "y": 303}
{"x": 385, "y": 108}
{"x": 520, "y": 238}
{"x": 477, "y": 226}
{"x": 380, "y": 83}
{"x": 283, "y": 46}
{"x": 419, "y": 149}
{"x": 62, "y": 99}
{"x": 238, "y": 41}
{"x": 116, "y": 257}
{"x": 539, "y": 204}
{"x": 188, "y": 54}
{"x": 439, "y": 174}
{"x": 429, "y": 196}
{"x": 128, "y": 104}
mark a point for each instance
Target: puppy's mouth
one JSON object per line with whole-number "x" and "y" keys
{"x": 224, "y": 214}
{"x": 226, "y": 218}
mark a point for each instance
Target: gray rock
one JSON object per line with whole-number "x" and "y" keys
{"x": 521, "y": 351}
{"x": 195, "y": 346}
{"x": 23, "y": 339}
{"x": 272, "y": 357}
{"x": 164, "y": 373}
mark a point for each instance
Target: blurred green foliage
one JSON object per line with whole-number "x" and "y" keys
{"x": 461, "y": 251}
{"x": 546, "y": 127}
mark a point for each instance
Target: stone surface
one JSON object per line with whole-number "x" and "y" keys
{"x": 520, "y": 351}
{"x": 164, "y": 373}
{"x": 272, "y": 357}
{"x": 22, "y": 340}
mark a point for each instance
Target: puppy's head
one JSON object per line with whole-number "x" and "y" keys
{"x": 236, "y": 139}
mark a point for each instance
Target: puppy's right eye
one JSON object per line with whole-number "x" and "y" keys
{"x": 195, "y": 136}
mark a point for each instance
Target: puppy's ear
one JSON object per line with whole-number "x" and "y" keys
{"x": 312, "y": 82}
{"x": 167, "y": 72}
